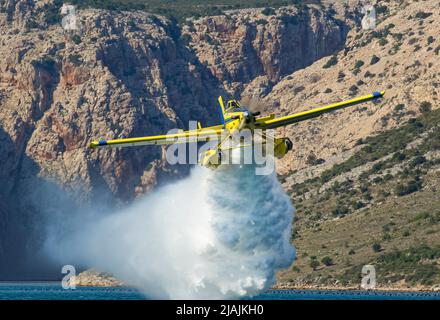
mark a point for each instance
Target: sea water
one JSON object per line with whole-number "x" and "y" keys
{"x": 54, "y": 291}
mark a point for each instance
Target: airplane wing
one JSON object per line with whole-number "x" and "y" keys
{"x": 271, "y": 122}
{"x": 202, "y": 134}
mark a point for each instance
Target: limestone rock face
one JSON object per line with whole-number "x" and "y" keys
{"x": 120, "y": 75}
{"x": 125, "y": 74}
{"x": 243, "y": 46}
{"x": 398, "y": 56}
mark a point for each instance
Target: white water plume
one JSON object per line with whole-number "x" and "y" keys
{"x": 214, "y": 235}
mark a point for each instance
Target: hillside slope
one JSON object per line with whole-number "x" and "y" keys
{"x": 379, "y": 207}
{"x": 357, "y": 181}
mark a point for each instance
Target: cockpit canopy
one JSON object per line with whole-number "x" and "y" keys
{"x": 234, "y": 106}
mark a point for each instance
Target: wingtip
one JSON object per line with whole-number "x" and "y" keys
{"x": 378, "y": 94}
{"x": 93, "y": 144}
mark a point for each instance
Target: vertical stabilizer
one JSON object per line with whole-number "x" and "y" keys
{"x": 222, "y": 110}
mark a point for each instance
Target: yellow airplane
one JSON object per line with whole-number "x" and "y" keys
{"x": 234, "y": 118}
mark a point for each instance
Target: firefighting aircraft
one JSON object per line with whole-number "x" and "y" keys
{"x": 234, "y": 118}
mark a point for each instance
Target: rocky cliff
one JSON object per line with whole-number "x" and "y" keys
{"x": 252, "y": 48}
{"x": 123, "y": 74}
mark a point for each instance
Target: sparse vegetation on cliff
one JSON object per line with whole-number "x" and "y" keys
{"x": 331, "y": 62}
{"x": 415, "y": 265}
{"x": 397, "y": 171}
{"x": 182, "y": 9}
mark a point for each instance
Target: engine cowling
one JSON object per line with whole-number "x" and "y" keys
{"x": 282, "y": 146}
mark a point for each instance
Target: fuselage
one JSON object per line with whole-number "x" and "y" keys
{"x": 236, "y": 119}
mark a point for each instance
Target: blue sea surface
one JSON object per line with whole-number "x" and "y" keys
{"x": 54, "y": 291}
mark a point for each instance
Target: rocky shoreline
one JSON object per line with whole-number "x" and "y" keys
{"x": 94, "y": 278}
{"x": 99, "y": 279}
{"x": 400, "y": 288}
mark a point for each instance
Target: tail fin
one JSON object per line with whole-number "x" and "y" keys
{"x": 222, "y": 110}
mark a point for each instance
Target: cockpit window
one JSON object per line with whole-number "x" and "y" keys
{"x": 233, "y": 104}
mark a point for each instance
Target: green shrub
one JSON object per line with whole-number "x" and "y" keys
{"x": 312, "y": 160}
{"x": 412, "y": 41}
{"x": 377, "y": 247}
{"x": 340, "y": 210}
{"x": 358, "y": 64}
{"x": 417, "y": 47}
{"x": 368, "y": 74}
{"x": 399, "y": 156}
{"x": 418, "y": 161}
{"x": 52, "y": 15}
{"x": 381, "y": 10}
{"x": 383, "y": 42}
{"x": 423, "y": 15}
{"x": 76, "y": 39}
{"x": 261, "y": 22}
{"x": 327, "y": 261}
{"x": 296, "y": 269}
{"x": 359, "y": 205}
{"x": 374, "y": 59}
{"x": 405, "y": 189}
{"x": 376, "y": 167}
{"x": 422, "y": 216}
{"x": 386, "y": 237}
{"x": 31, "y": 24}
{"x": 425, "y": 106}
{"x": 377, "y": 180}
{"x": 331, "y": 62}
{"x": 75, "y": 59}
{"x": 399, "y": 107}
{"x": 314, "y": 264}
{"x": 353, "y": 89}
{"x": 298, "y": 89}
{"x": 268, "y": 11}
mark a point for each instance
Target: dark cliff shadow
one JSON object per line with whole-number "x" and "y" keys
{"x": 47, "y": 78}
{"x": 33, "y": 206}
{"x": 32, "y": 209}
{"x": 312, "y": 44}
